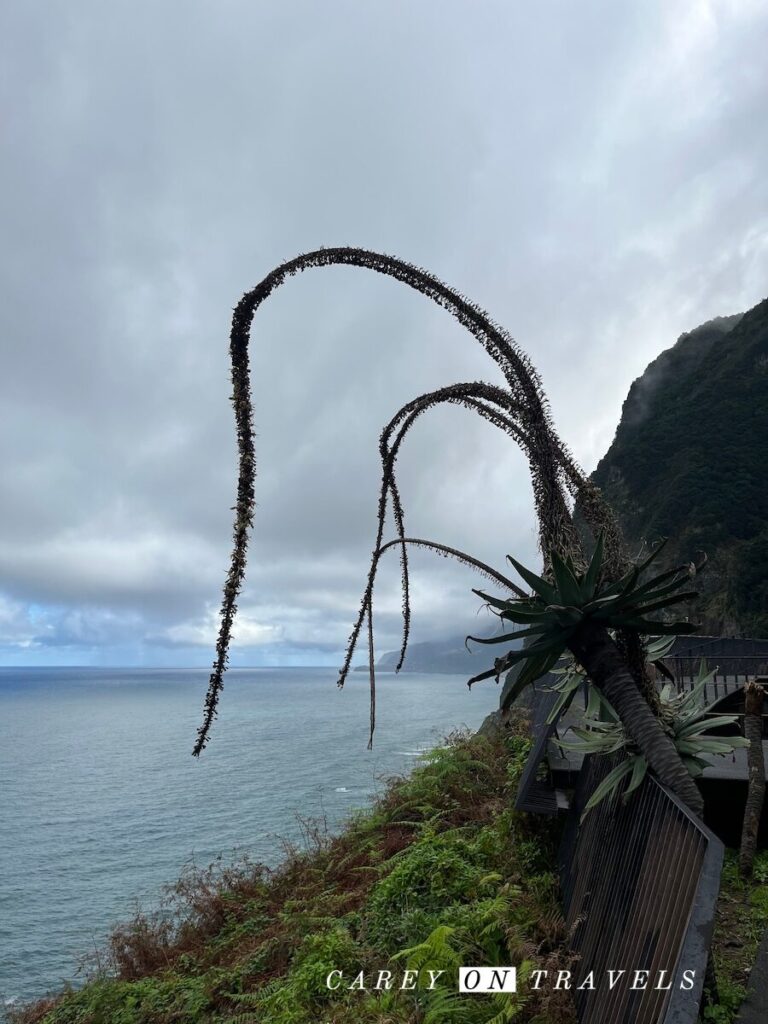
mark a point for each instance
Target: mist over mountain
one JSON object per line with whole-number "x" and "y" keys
{"x": 449, "y": 656}
{"x": 690, "y": 462}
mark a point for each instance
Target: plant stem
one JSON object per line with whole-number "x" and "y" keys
{"x": 608, "y": 670}
{"x": 753, "y": 729}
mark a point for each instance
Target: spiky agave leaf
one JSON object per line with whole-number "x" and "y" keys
{"x": 689, "y": 722}
{"x": 543, "y": 590}
{"x": 570, "y": 589}
{"x": 658, "y": 647}
{"x": 608, "y": 785}
{"x": 566, "y": 689}
{"x": 559, "y": 607}
{"x": 530, "y": 671}
{"x": 538, "y": 658}
{"x": 691, "y": 703}
{"x": 506, "y": 637}
{"x": 695, "y": 766}
{"x": 701, "y": 723}
{"x": 639, "y": 771}
{"x": 592, "y": 575}
{"x": 659, "y": 626}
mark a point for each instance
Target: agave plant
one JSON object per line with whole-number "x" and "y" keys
{"x": 559, "y": 608}
{"x": 574, "y": 611}
{"x": 687, "y": 719}
{"x": 575, "y": 678}
{"x": 518, "y": 407}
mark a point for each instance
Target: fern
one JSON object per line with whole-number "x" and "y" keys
{"x": 435, "y": 953}
{"x": 246, "y": 999}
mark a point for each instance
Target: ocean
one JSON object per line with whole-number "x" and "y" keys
{"x": 102, "y": 804}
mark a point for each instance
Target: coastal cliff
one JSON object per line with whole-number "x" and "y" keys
{"x": 690, "y": 462}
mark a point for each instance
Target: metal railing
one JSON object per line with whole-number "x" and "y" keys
{"x": 730, "y": 672}
{"x": 639, "y": 881}
{"x": 735, "y": 659}
{"x": 536, "y": 795}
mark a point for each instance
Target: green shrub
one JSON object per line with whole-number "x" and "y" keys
{"x": 434, "y": 873}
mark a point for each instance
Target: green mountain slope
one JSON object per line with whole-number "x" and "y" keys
{"x": 690, "y": 462}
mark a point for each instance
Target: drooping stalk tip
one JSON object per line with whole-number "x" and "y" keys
{"x": 487, "y": 400}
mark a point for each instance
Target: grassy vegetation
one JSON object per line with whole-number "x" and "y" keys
{"x": 742, "y": 917}
{"x": 439, "y": 872}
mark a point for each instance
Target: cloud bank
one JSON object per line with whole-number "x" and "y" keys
{"x": 593, "y": 175}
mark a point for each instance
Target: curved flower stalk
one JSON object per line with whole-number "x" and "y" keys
{"x": 496, "y": 406}
{"x": 553, "y": 471}
{"x": 489, "y": 401}
{"x": 520, "y": 408}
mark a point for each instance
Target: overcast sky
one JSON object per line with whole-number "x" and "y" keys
{"x": 595, "y": 175}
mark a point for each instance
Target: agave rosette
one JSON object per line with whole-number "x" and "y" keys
{"x": 575, "y": 678}
{"x": 685, "y": 716}
{"x": 558, "y": 607}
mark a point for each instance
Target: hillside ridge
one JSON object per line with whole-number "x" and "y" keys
{"x": 689, "y": 462}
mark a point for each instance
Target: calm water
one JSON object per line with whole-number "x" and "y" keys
{"x": 101, "y": 803}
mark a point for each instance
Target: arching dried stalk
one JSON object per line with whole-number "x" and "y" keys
{"x": 494, "y": 404}
{"x": 521, "y": 409}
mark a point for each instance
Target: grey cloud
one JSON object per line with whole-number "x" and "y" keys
{"x": 594, "y": 177}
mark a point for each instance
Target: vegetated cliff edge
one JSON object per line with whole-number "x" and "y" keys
{"x": 690, "y": 462}
{"x": 440, "y": 871}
